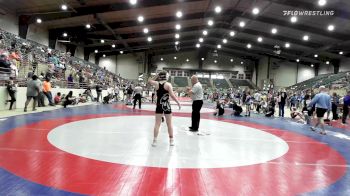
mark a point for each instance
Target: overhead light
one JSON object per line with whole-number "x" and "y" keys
{"x": 287, "y": 45}
{"x": 177, "y": 26}
{"x": 242, "y": 62}
{"x": 202, "y": 59}
{"x": 273, "y": 30}
{"x": 121, "y": 52}
{"x": 219, "y": 46}
{"x": 39, "y": 21}
{"x": 330, "y": 27}
{"x": 293, "y": 19}
{"x": 327, "y": 62}
{"x": 260, "y": 39}
{"x": 305, "y": 37}
{"x": 177, "y": 36}
{"x": 249, "y": 45}
{"x": 242, "y": 24}
{"x": 64, "y": 7}
{"x": 316, "y": 55}
{"x": 102, "y": 41}
{"x": 140, "y": 18}
{"x": 187, "y": 60}
{"x": 149, "y": 39}
{"x": 161, "y": 59}
{"x": 210, "y": 22}
{"x": 312, "y": 65}
{"x": 177, "y": 43}
{"x": 96, "y": 51}
{"x": 297, "y": 60}
{"x": 232, "y": 33}
{"x": 215, "y": 61}
{"x": 133, "y": 2}
{"x": 341, "y": 52}
{"x": 179, "y": 14}
{"x": 175, "y": 57}
{"x": 231, "y": 60}
{"x": 113, "y": 45}
{"x": 65, "y": 34}
{"x": 256, "y": 11}
{"x": 205, "y": 32}
{"x": 198, "y": 45}
{"x": 104, "y": 55}
{"x": 322, "y": 2}
{"x": 218, "y": 9}
{"x": 200, "y": 39}
{"x": 224, "y": 41}
{"x": 88, "y": 26}
{"x": 145, "y": 30}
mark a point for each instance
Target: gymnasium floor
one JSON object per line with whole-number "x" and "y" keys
{"x": 106, "y": 150}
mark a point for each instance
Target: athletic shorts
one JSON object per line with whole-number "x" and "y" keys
{"x": 160, "y": 110}
{"x": 320, "y": 112}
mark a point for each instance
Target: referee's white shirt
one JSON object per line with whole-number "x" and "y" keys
{"x": 197, "y": 92}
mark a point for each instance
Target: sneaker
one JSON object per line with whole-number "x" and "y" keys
{"x": 172, "y": 142}
{"x": 25, "y": 110}
{"x": 154, "y": 144}
{"x": 313, "y": 129}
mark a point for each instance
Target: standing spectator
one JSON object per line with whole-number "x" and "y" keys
{"x": 138, "y": 95}
{"x": 129, "y": 92}
{"x": 293, "y": 101}
{"x": 70, "y": 81}
{"x": 346, "y": 107}
{"x": 335, "y": 103}
{"x": 322, "y": 102}
{"x": 248, "y": 102}
{"x": 282, "y": 97}
{"x": 47, "y": 91}
{"x": 11, "y": 89}
{"x": 33, "y": 90}
{"x": 99, "y": 92}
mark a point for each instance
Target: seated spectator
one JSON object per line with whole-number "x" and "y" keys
{"x": 11, "y": 89}
{"x": 237, "y": 110}
{"x": 82, "y": 98}
{"x": 219, "y": 108}
{"x": 57, "y": 98}
{"x": 69, "y": 99}
{"x": 270, "y": 109}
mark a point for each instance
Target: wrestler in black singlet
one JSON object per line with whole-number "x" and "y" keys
{"x": 163, "y": 104}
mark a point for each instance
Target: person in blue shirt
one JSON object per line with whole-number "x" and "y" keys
{"x": 322, "y": 102}
{"x": 346, "y": 107}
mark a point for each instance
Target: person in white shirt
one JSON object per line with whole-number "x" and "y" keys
{"x": 196, "y": 93}
{"x": 137, "y": 95}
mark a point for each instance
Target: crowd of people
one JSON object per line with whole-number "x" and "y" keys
{"x": 302, "y": 106}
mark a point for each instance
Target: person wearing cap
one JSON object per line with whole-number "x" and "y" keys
{"x": 164, "y": 91}
{"x": 322, "y": 102}
{"x": 196, "y": 93}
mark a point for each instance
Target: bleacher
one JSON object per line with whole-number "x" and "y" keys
{"x": 221, "y": 83}
{"x": 180, "y": 81}
{"x": 321, "y": 80}
{"x": 241, "y": 83}
{"x": 311, "y": 83}
{"x": 205, "y": 82}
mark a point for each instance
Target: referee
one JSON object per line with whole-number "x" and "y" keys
{"x": 196, "y": 93}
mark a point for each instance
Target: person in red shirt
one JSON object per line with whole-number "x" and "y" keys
{"x": 57, "y": 98}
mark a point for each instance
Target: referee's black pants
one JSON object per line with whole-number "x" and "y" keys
{"x": 196, "y": 116}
